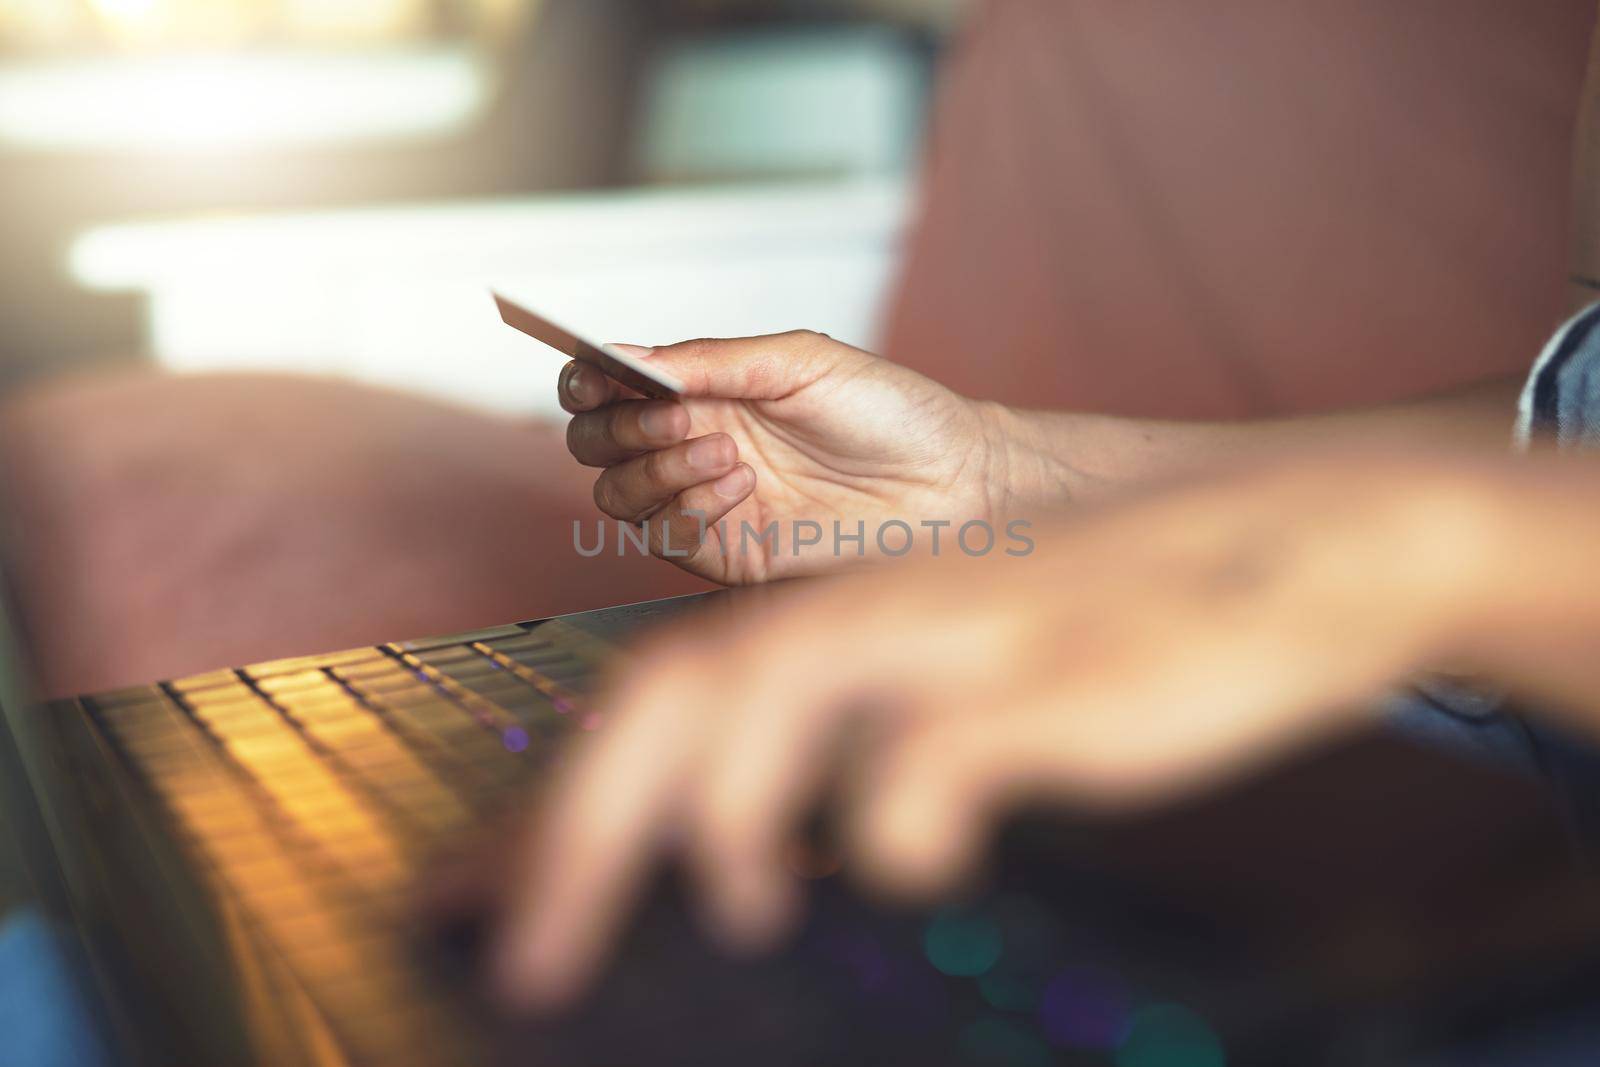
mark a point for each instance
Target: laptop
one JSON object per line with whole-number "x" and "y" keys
{"x": 236, "y": 848}
{"x": 228, "y": 858}
{"x": 235, "y": 851}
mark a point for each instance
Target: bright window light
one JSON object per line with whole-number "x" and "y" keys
{"x": 239, "y": 101}
{"x": 399, "y": 296}
{"x": 126, "y": 10}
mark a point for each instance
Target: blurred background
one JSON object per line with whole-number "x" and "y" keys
{"x": 1177, "y": 210}
{"x": 330, "y": 187}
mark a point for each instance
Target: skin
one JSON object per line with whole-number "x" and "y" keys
{"x": 1209, "y": 627}
{"x": 797, "y": 427}
{"x": 792, "y": 427}
{"x": 1144, "y": 650}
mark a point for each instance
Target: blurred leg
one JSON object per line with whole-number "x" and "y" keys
{"x": 172, "y": 525}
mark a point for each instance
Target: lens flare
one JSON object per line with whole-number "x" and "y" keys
{"x": 1170, "y": 1035}
{"x": 1001, "y": 1041}
{"x": 1084, "y": 1008}
{"x": 962, "y": 945}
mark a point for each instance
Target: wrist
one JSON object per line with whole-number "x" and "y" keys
{"x": 1494, "y": 554}
{"x": 1531, "y": 582}
{"x": 1452, "y": 532}
{"x": 1022, "y": 473}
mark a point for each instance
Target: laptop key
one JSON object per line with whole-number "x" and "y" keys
{"x": 209, "y": 680}
{"x": 541, "y": 659}
{"x": 371, "y": 669}
{"x": 246, "y": 728}
{"x": 139, "y": 694}
{"x": 426, "y": 643}
{"x": 475, "y": 670}
{"x": 348, "y": 657}
{"x": 326, "y": 712}
{"x": 340, "y": 735}
{"x": 211, "y": 715}
{"x": 414, "y": 679}
{"x": 501, "y": 685}
{"x": 440, "y": 657}
{"x": 153, "y": 735}
{"x": 526, "y": 640}
{"x": 297, "y": 682}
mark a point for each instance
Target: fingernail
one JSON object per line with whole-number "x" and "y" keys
{"x": 709, "y": 453}
{"x": 509, "y": 975}
{"x": 750, "y": 914}
{"x": 735, "y": 483}
{"x": 636, "y": 351}
{"x": 578, "y": 387}
{"x": 521, "y": 978}
{"x": 660, "y": 423}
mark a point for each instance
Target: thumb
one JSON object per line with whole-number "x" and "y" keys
{"x": 753, "y": 368}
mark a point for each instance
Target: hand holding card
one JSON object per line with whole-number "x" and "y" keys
{"x": 782, "y": 437}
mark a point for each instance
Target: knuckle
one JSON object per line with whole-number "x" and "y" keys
{"x": 622, "y": 423}
{"x": 608, "y": 499}
{"x": 897, "y": 852}
{"x": 726, "y": 823}
{"x": 616, "y": 418}
{"x": 808, "y": 347}
{"x": 581, "y": 434}
{"x": 808, "y": 342}
{"x": 656, "y": 468}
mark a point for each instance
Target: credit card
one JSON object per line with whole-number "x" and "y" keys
{"x": 636, "y": 374}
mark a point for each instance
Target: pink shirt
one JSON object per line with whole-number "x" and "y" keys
{"x": 1244, "y": 206}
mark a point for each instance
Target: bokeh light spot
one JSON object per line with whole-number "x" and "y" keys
{"x": 865, "y": 960}
{"x": 1008, "y": 992}
{"x": 962, "y": 944}
{"x": 1170, "y": 1035}
{"x": 1000, "y": 1041}
{"x": 1084, "y": 1008}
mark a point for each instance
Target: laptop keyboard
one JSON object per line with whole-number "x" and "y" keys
{"x": 313, "y": 788}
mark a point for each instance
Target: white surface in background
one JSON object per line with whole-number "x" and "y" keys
{"x": 239, "y": 100}
{"x": 847, "y": 100}
{"x": 400, "y": 297}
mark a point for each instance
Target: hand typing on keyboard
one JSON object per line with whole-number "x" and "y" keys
{"x": 1137, "y": 653}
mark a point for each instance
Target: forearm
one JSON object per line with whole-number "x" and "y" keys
{"x": 1051, "y": 458}
{"x": 1529, "y": 619}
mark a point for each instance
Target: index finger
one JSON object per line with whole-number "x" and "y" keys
{"x": 756, "y": 368}
{"x": 601, "y": 829}
{"x": 583, "y": 388}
